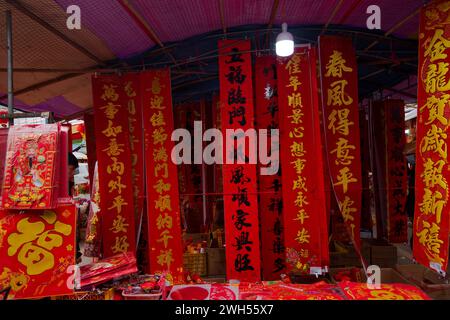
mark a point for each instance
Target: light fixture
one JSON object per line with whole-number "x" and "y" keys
{"x": 284, "y": 45}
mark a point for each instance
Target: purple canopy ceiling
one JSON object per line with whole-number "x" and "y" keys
{"x": 110, "y": 22}
{"x": 179, "y": 19}
{"x": 58, "y": 105}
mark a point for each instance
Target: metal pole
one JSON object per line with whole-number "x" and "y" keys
{"x": 9, "y": 43}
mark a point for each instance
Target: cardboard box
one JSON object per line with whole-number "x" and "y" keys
{"x": 349, "y": 258}
{"x": 216, "y": 261}
{"x": 384, "y": 256}
{"x": 429, "y": 281}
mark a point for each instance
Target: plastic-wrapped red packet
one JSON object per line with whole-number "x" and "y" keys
{"x": 31, "y": 166}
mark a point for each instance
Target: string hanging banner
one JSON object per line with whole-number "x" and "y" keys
{"x": 163, "y": 209}
{"x": 239, "y": 177}
{"x": 431, "y": 218}
{"x": 114, "y": 165}
{"x": 305, "y": 226}
{"x": 270, "y": 198}
{"x": 339, "y": 81}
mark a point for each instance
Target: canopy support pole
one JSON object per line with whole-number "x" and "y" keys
{"x": 9, "y": 45}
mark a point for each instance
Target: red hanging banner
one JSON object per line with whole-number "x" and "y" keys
{"x": 339, "y": 82}
{"x": 38, "y": 252}
{"x": 164, "y": 229}
{"x": 131, "y": 84}
{"x": 114, "y": 165}
{"x": 396, "y": 173}
{"x": 302, "y": 164}
{"x": 239, "y": 172}
{"x": 431, "y": 218}
{"x": 270, "y": 198}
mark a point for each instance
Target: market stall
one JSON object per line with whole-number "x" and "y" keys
{"x": 216, "y": 164}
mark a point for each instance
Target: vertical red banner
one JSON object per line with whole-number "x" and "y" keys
{"x": 302, "y": 164}
{"x": 270, "y": 198}
{"x": 114, "y": 165}
{"x": 431, "y": 214}
{"x": 396, "y": 173}
{"x": 131, "y": 85}
{"x": 339, "y": 82}
{"x": 239, "y": 172}
{"x": 164, "y": 229}
{"x": 89, "y": 125}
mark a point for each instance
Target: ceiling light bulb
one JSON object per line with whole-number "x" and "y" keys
{"x": 284, "y": 45}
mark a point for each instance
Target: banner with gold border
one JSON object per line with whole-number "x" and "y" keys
{"x": 431, "y": 218}
{"x": 114, "y": 164}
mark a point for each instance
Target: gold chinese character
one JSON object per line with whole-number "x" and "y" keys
{"x": 343, "y": 124}
{"x": 159, "y": 136}
{"x": 299, "y": 165}
{"x": 164, "y": 238}
{"x": 435, "y": 141}
{"x": 302, "y": 215}
{"x": 342, "y": 151}
{"x": 160, "y": 154}
{"x": 436, "y": 107}
{"x": 131, "y": 121}
{"x": 164, "y": 221}
{"x": 118, "y": 203}
{"x": 297, "y": 149}
{"x": 133, "y": 141}
{"x": 337, "y": 95}
{"x": 33, "y": 244}
{"x": 129, "y": 89}
{"x": 117, "y": 166}
{"x": 344, "y": 178}
{"x": 156, "y": 86}
{"x": 161, "y": 187}
{"x": 300, "y": 183}
{"x": 110, "y": 93}
{"x": 163, "y": 203}
{"x": 110, "y": 110}
{"x": 112, "y": 131}
{"x": 119, "y": 224}
{"x": 302, "y": 236}
{"x": 293, "y": 65}
{"x": 134, "y": 160}
{"x": 114, "y": 148}
{"x": 435, "y": 48}
{"x": 163, "y": 167}
{"x": 296, "y": 133}
{"x": 300, "y": 201}
{"x": 429, "y": 237}
{"x": 293, "y": 82}
{"x": 116, "y": 185}
{"x": 156, "y": 103}
{"x": 347, "y": 209}
{"x": 432, "y": 203}
{"x": 432, "y": 174}
{"x": 295, "y": 100}
{"x": 296, "y": 116}
{"x": 132, "y": 107}
{"x": 165, "y": 258}
{"x": 121, "y": 245}
{"x": 336, "y": 65}
{"x": 436, "y": 78}
{"x": 157, "y": 119}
